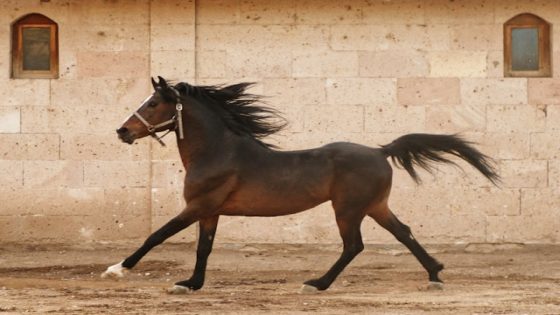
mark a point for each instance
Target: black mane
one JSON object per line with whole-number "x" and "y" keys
{"x": 243, "y": 113}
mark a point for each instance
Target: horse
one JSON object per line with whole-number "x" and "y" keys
{"x": 231, "y": 171}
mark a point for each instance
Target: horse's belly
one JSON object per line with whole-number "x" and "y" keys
{"x": 269, "y": 204}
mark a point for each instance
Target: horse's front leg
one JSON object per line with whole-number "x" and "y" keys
{"x": 178, "y": 223}
{"x": 207, "y": 232}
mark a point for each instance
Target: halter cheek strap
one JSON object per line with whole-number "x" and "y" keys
{"x": 177, "y": 120}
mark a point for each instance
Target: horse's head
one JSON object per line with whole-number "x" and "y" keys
{"x": 159, "y": 112}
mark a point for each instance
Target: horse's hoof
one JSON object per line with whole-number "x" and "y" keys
{"x": 308, "y": 289}
{"x": 435, "y": 286}
{"x": 179, "y": 289}
{"x": 115, "y": 271}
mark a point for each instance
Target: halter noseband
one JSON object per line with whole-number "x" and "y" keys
{"x": 177, "y": 120}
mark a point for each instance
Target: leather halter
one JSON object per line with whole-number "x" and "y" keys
{"x": 177, "y": 119}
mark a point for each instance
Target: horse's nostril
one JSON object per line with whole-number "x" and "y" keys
{"x": 122, "y": 130}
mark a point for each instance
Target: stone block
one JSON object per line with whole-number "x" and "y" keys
{"x": 42, "y": 201}
{"x": 211, "y": 64}
{"x": 538, "y": 220}
{"x": 455, "y": 118}
{"x": 524, "y": 173}
{"x": 169, "y": 152}
{"x": 495, "y": 63}
{"x": 330, "y": 118}
{"x": 172, "y": 37}
{"x": 544, "y": 91}
{"x": 545, "y": 145}
{"x": 428, "y": 91}
{"x": 295, "y": 117}
{"x": 114, "y": 174}
{"x": 124, "y": 64}
{"x": 457, "y": 64}
{"x": 10, "y": 119}
{"x": 256, "y": 39}
{"x": 515, "y": 118}
{"x": 103, "y": 37}
{"x": 350, "y": 91}
{"x": 128, "y": 93}
{"x": 29, "y": 146}
{"x": 12, "y": 174}
{"x": 553, "y": 117}
{"x": 24, "y": 92}
{"x": 280, "y": 93}
{"x": 313, "y": 12}
{"x": 382, "y": 37}
{"x": 263, "y": 64}
{"x": 494, "y": 91}
{"x": 68, "y": 63}
{"x": 507, "y": 146}
{"x": 462, "y": 13}
{"x": 267, "y": 12}
{"x": 52, "y": 174}
{"x": 432, "y": 220}
{"x": 102, "y": 120}
{"x": 407, "y": 12}
{"x": 554, "y": 173}
{"x": 390, "y": 64}
{"x": 101, "y": 147}
{"x": 5, "y": 51}
{"x": 473, "y": 201}
{"x": 440, "y": 37}
{"x": 125, "y": 202}
{"x": 325, "y": 64}
{"x": 482, "y": 37}
{"x": 394, "y": 118}
{"x": 168, "y": 201}
{"x": 102, "y": 12}
{"x": 217, "y": 12}
{"x": 172, "y": 11}
{"x": 173, "y": 64}
{"x": 71, "y": 229}
{"x": 168, "y": 174}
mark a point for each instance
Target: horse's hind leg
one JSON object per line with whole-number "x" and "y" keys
{"x": 349, "y": 229}
{"x": 207, "y": 232}
{"x": 402, "y": 232}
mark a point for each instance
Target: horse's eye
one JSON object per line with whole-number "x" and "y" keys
{"x": 152, "y": 104}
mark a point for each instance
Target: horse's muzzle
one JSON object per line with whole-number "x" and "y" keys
{"x": 125, "y": 135}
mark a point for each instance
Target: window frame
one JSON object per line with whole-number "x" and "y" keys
{"x": 528, "y": 20}
{"x": 33, "y": 20}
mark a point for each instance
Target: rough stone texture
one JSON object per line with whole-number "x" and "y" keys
{"x": 428, "y": 91}
{"x": 10, "y": 119}
{"x": 359, "y": 71}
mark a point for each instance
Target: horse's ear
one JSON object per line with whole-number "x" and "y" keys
{"x": 162, "y": 82}
{"x": 154, "y": 84}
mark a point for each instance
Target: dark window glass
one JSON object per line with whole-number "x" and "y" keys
{"x": 36, "y": 48}
{"x": 525, "y": 49}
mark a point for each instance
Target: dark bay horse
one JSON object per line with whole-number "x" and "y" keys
{"x": 231, "y": 171}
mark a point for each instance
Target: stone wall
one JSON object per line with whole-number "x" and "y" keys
{"x": 361, "y": 71}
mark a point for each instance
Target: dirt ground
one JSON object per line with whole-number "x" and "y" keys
{"x": 253, "y": 279}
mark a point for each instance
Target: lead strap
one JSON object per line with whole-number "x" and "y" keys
{"x": 179, "y": 108}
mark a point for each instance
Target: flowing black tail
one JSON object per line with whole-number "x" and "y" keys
{"x": 421, "y": 149}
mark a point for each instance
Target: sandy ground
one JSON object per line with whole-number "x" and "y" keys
{"x": 253, "y": 279}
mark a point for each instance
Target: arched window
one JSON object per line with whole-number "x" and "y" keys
{"x": 34, "y": 47}
{"x": 527, "y": 47}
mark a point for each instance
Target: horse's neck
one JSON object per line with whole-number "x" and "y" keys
{"x": 204, "y": 137}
